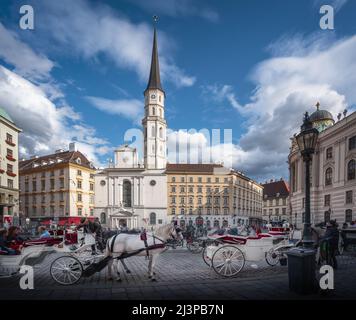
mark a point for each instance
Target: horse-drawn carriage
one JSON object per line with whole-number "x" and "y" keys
{"x": 76, "y": 257}
{"x": 66, "y": 269}
{"x": 227, "y": 254}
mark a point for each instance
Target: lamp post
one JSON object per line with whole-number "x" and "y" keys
{"x": 306, "y": 141}
{"x": 301, "y": 261}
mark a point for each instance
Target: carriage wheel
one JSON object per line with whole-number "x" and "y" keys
{"x": 228, "y": 261}
{"x": 66, "y": 270}
{"x": 205, "y": 257}
{"x": 272, "y": 257}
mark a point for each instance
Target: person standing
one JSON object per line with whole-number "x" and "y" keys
{"x": 90, "y": 229}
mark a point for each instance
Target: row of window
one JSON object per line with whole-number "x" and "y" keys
{"x": 200, "y": 180}
{"x": 348, "y": 216}
{"x": 207, "y": 211}
{"x": 277, "y": 202}
{"x": 217, "y": 201}
{"x": 52, "y": 211}
{"x": 352, "y": 145}
{"x": 60, "y": 172}
{"x": 52, "y": 198}
{"x": 276, "y": 211}
{"x": 351, "y": 173}
{"x": 348, "y": 198}
{"x": 52, "y": 185}
{"x": 209, "y": 190}
{"x": 199, "y": 211}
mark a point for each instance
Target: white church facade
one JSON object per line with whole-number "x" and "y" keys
{"x": 130, "y": 192}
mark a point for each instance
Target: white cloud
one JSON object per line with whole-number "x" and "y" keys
{"x": 45, "y": 126}
{"x": 285, "y": 87}
{"x": 95, "y": 30}
{"x": 26, "y": 62}
{"x": 129, "y": 108}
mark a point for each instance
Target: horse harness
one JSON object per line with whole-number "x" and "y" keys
{"x": 143, "y": 237}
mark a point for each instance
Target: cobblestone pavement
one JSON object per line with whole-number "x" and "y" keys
{"x": 180, "y": 275}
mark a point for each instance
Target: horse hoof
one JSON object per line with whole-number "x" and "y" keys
{"x": 153, "y": 280}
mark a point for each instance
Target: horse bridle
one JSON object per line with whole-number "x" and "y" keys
{"x": 177, "y": 230}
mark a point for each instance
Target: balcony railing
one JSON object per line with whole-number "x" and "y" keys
{"x": 10, "y": 143}
{"x": 11, "y": 174}
{"x": 10, "y": 158}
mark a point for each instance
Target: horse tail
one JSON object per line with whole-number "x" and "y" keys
{"x": 110, "y": 247}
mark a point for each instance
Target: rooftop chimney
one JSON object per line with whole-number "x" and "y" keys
{"x": 72, "y": 147}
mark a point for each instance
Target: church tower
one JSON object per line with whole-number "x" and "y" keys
{"x": 154, "y": 123}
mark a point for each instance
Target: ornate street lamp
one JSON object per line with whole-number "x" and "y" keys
{"x": 301, "y": 261}
{"x": 306, "y": 140}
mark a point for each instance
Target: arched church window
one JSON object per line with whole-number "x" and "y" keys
{"x": 161, "y": 132}
{"x": 160, "y": 113}
{"x": 103, "y": 218}
{"x": 126, "y": 194}
{"x": 153, "y": 111}
{"x": 351, "y": 170}
{"x": 328, "y": 176}
{"x": 152, "y": 218}
{"x": 153, "y": 132}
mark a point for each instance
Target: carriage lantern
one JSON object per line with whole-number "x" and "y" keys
{"x": 301, "y": 261}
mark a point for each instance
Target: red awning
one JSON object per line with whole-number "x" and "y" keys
{"x": 65, "y": 221}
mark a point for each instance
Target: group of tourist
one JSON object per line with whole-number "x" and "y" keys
{"x": 13, "y": 235}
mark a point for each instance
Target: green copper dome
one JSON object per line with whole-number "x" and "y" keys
{"x": 321, "y": 119}
{"x": 4, "y": 114}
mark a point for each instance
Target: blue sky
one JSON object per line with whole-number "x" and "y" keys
{"x": 251, "y": 66}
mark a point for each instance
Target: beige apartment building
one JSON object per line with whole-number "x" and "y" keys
{"x": 276, "y": 201}
{"x": 210, "y": 195}
{"x": 9, "y": 175}
{"x": 57, "y": 187}
{"x": 333, "y": 171}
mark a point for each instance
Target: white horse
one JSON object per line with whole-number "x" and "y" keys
{"x": 127, "y": 245}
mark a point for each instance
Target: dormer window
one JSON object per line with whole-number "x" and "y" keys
{"x": 78, "y": 160}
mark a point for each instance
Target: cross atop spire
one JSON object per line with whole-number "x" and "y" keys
{"x": 154, "y": 81}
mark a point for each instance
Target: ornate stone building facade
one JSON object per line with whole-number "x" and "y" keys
{"x": 276, "y": 201}
{"x": 57, "y": 186}
{"x": 333, "y": 177}
{"x": 208, "y": 194}
{"x": 9, "y": 163}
